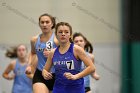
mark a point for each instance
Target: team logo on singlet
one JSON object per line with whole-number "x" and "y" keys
{"x": 49, "y": 46}
{"x": 69, "y": 64}
{"x": 19, "y": 71}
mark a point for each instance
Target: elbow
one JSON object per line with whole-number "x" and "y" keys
{"x": 93, "y": 69}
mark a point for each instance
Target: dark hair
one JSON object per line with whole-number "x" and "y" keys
{"x": 88, "y": 46}
{"x": 12, "y": 52}
{"x": 51, "y": 17}
{"x": 64, "y": 24}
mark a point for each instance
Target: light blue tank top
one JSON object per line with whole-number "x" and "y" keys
{"x": 40, "y": 46}
{"x": 86, "y": 78}
{"x": 66, "y": 63}
{"x": 22, "y": 84}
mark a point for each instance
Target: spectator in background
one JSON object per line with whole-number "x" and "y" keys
{"x": 22, "y": 84}
{"x": 80, "y": 40}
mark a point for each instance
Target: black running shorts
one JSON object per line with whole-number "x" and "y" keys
{"x": 38, "y": 78}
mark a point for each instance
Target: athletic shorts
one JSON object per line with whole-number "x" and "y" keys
{"x": 87, "y": 89}
{"x": 38, "y": 78}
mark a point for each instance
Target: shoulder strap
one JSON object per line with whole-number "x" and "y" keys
{"x": 71, "y": 48}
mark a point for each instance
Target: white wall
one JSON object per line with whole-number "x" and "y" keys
{"x": 107, "y": 62}
{"x": 96, "y": 19}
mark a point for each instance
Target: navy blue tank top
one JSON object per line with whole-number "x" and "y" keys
{"x": 66, "y": 63}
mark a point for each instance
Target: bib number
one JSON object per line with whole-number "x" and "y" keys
{"x": 49, "y": 45}
{"x": 70, "y": 65}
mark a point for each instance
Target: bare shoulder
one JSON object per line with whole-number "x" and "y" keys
{"x": 78, "y": 52}
{"x": 12, "y": 64}
{"x": 33, "y": 41}
{"x": 34, "y": 38}
{"x": 78, "y": 49}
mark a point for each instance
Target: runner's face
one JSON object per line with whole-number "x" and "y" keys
{"x": 21, "y": 51}
{"x": 45, "y": 24}
{"x": 63, "y": 34}
{"x": 79, "y": 40}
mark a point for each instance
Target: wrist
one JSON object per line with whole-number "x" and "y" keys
{"x": 44, "y": 68}
{"x": 77, "y": 76}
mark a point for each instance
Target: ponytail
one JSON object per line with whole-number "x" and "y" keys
{"x": 88, "y": 47}
{"x": 11, "y": 53}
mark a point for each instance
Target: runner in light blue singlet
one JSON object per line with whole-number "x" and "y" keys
{"x": 40, "y": 46}
{"x": 22, "y": 84}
